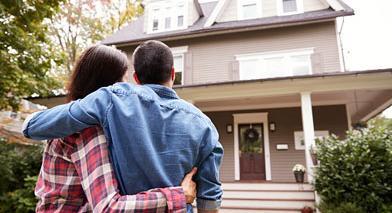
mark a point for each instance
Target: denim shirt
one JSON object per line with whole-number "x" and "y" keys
{"x": 154, "y": 137}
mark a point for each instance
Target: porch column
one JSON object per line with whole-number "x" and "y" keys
{"x": 308, "y": 129}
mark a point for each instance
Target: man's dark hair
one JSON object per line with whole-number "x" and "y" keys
{"x": 153, "y": 62}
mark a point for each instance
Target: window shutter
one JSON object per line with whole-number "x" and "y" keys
{"x": 235, "y": 70}
{"x": 188, "y": 72}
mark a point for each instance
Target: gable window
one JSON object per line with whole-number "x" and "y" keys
{"x": 289, "y": 7}
{"x": 179, "y": 63}
{"x": 166, "y": 15}
{"x": 249, "y": 9}
{"x": 275, "y": 64}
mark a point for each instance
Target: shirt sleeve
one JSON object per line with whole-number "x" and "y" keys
{"x": 67, "y": 119}
{"x": 91, "y": 159}
{"x": 209, "y": 190}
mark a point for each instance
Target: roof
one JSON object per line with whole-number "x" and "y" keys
{"x": 134, "y": 33}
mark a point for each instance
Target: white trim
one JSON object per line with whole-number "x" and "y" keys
{"x": 252, "y": 118}
{"x": 300, "y": 8}
{"x": 179, "y": 50}
{"x": 348, "y": 114}
{"x": 265, "y": 106}
{"x": 302, "y": 51}
{"x": 335, "y": 5}
{"x": 377, "y": 111}
{"x": 240, "y": 3}
{"x": 216, "y": 13}
{"x": 308, "y": 129}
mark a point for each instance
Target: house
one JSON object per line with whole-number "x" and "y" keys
{"x": 270, "y": 75}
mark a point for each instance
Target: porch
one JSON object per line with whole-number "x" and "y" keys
{"x": 283, "y": 112}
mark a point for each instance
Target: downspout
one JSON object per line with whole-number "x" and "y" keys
{"x": 341, "y": 46}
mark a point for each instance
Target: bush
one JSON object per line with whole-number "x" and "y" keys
{"x": 19, "y": 167}
{"x": 356, "y": 173}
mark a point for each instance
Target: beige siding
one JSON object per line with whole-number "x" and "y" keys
{"x": 287, "y": 120}
{"x": 213, "y": 58}
{"x": 269, "y": 7}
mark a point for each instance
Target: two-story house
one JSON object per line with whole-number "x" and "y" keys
{"x": 269, "y": 74}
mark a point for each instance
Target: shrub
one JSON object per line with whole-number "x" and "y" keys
{"x": 19, "y": 167}
{"x": 356, "y": 171}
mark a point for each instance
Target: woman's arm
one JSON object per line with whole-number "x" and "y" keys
{"x": 91, "y": 160}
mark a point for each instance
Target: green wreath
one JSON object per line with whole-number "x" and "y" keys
{"x": 251, "y": 135}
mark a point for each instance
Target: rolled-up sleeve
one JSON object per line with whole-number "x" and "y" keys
{"x": 209, "y": 190}
{"x": 69, "y": 118}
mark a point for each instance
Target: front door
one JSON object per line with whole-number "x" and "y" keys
{"x": 251, "y": 144}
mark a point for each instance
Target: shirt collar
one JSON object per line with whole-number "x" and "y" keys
{"x": 163, "y": 91}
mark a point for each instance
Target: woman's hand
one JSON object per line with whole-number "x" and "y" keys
{"x": 189, "y": 186}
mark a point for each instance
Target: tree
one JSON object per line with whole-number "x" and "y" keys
{"x": 26, "y": 54}
{"x": 82, "y": 23}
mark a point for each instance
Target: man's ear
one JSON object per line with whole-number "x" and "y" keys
{"x": 136, "y": 78}
{"x": 173, "y": 74}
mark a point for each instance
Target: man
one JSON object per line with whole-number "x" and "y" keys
{"x": 154, "y": 137}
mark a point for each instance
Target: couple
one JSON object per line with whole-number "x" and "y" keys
{"x": 120, "y": 140}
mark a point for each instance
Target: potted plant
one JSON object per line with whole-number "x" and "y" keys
{"x": 307, "y": 209}
{"x": 313, "y": 154}
{"x": 299, "y": 173}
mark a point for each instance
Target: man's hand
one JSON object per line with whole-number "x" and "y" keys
{"x": 189, "y": 186}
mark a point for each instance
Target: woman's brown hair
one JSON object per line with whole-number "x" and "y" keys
{"x": 98, "y": 66}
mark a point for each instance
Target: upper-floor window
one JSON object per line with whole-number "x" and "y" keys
{"x": 167, "y": 15}
{"x": 179, "y": 63}
{"x": 249, "y": 9}
{"x": 275, "y": 64}
{"x": 289, "y": 7}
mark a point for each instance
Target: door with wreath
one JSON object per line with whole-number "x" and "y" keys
{"x": 251, "y": 142}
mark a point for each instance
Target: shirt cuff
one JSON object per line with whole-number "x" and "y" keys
{"x": 26, "y": 122}
{"x": 175, "y": 197}
{"x": 208, "y": 204}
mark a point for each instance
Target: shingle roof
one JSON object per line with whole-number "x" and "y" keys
{"x": 134, "y": 33}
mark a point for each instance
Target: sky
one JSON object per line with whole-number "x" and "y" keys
{"x": 367, "y": 37}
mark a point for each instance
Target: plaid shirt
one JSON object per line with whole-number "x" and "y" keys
{"x": 77, "y": 176}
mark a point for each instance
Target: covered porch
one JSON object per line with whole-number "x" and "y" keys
{"x": 286, "y": 114}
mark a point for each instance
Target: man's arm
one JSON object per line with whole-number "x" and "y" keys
{"x": 101, "y": 186}
{"x": 69, "y": 118}
{"x": 209, "y": 190}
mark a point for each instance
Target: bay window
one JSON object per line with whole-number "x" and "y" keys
{"x": 166, "y": 15}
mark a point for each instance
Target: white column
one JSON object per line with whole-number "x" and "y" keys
{"x": 308, "y": 129}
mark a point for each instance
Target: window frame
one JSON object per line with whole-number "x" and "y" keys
{"x": 300, "y": 8}
{"x": 241, "y": 3}
{"x": 162, "y": 6}
{"x": 180, "y": 51}
{"x": 286, "y": 55}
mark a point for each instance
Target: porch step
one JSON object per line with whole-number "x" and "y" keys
{"x": 267, "y": 186}
{"x": 266, "y": 197}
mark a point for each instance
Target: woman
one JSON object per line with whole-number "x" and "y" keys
{"x": 76, "y": 173}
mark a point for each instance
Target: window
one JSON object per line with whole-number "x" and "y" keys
{"x": 276, "y": 64}
{"x": 179, "y": 64}
{"x": 289, "y": 7}
{"x": 179, "y": 68}
{"x": 249, "y": 9}
{"x": 168, "y": 15}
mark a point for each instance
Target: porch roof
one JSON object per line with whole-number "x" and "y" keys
{"x": 325, "y": 82}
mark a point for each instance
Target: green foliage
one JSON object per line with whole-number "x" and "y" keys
{"x": 19, "y": 167}
{"x": 26, "y": 55}
{"x": 340, "y": 208}
{"x": 356, "y": 171}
